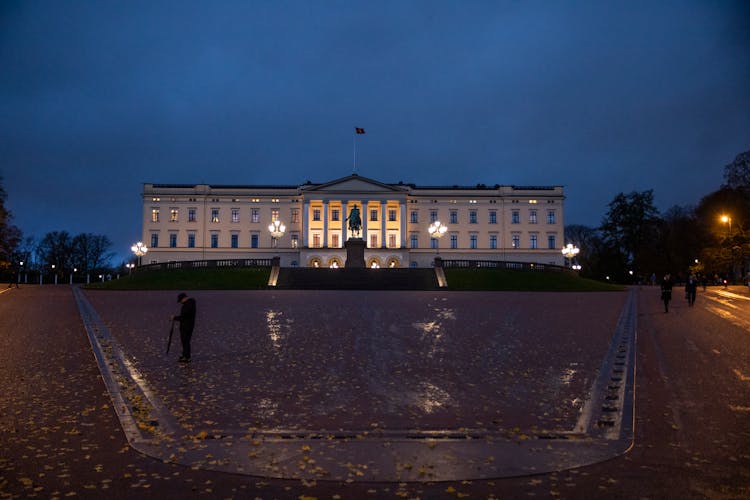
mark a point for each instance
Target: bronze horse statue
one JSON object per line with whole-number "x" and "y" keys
{"x": 355, "y": 221}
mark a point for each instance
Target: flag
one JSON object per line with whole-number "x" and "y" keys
{"x": 359, "y": 130}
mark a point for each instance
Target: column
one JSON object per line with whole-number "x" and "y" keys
{"x": 383, "y": 209}
{"x": 325, "y": 224}
{"x": 402, "y": 236}
{"x": 305, "y": 218}
{"x": 344, "y": 215}
{"x": 365, "y": 216}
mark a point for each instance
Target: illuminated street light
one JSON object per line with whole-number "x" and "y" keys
{"x": 437, "y": 230}
{"x": 277, "y": 229}
{"x": 130, "y": 267}
{"x": 139, "y": 249}
{"x": 570, "y": 251}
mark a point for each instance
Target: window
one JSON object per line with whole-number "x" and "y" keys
{"x": 414, "y": 241}
{"x": 235, "y": 240}
{"x": 472, "y": 216}
{"x": 316, "y": 214}
{"x": 454, "y": 241}
{"x": 274, "y": 214}
{"x": 534, "y": 241}
{"x": 235, "y": 215}
{"x": 191, "y": 240}
{"x": 414, "y": 217}
{"x": 154, "y": 240}
{"x": 173, "y": 212}
{"x": 516, "y": 241}
{"x": 373, "y": 241}
{"x": 473, "y": 241}
{"x": 551, "y": 241}
{"x": 515, "y": 217}
{"x": 335, "y": 214}
{"x": 295, "y": 240}
{"x": 433, "y": 243}
{"x": 255, "y": 215}
{"x": 191, "y": 215}
{"x": 392, "y": 214}
{"x": 433, "y": 215}
{"x": 214, "y": 240}
{"x": 374, "y": 215}
{"x": 493, "y": 241}
{"x": 295, "y": 215}
{"x": 154, "y": 215}
{"x": 173, "y": 240}
{"x": 391, "y": 241}
{"x": 254, "y": 240}
{"x": 316, "y": 240}
{"x": 214, "y": 215}
{"x": 493, "y": 217}
{"x": 532, "y": 216}
{"x": 551, "y": 217}
{"x": 454, "y": 217}
{"x": 335, "y": 240}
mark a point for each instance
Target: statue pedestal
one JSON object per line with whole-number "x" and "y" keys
{"x": 355, "y": 253}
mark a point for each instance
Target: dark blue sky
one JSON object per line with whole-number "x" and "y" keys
{"x": 601, "y": 97}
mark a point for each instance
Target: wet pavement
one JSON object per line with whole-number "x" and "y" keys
{"x": 409, "y": 386}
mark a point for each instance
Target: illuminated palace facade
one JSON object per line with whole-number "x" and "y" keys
{"x": 205, "y": 222}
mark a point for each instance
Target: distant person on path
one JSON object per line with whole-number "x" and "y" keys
{"x": 691, "y": 288}
{"x": 666, "y": 291}
{"x": 187, "y": 323}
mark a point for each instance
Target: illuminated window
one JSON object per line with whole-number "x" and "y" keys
{"x": 275, "y": 214}
{"x": 516, "y": 241}
{"x": 391, "y": 241}
{"x": 373, "y": 241}
{"x": 155, "y": 199}
{"x": 295, "y": 240}
{"x": 173, "y": 213}
{"x": 214, "y": 215}
{"x": 295, "y": 215}
{"x": 316, "y": 240}
{"x": 154, "y": 215}
{"x": 235, "y": 215}
{"x": 533, "y": 202}
{"x": 335, "y": 240}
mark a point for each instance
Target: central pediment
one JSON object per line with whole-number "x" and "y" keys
{"x": 353, "y": 184}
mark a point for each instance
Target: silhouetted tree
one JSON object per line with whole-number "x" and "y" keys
{"x": 91, "y": 252}
{"x": 737, "y": 173}
{"x": 10, "y": 235}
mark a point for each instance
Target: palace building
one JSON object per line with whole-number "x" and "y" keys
{"x": 184, "y": 222}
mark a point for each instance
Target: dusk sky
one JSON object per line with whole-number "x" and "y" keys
{"x": 98, "y": 97}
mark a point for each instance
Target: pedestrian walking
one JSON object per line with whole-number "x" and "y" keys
{"x": 187, "y": 323}
{"x": 691, "y": 288}
{"x": 666, "y": 291}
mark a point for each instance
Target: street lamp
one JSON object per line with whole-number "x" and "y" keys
{"x": 727, "y": 220}
{"x": 570, "y": 251}
{"x": 277, "y": 229}
{"x": 130, "y": 267}
{"x": 437, "y": 230}
{"x": 139, "y": 249}
{"x": 55, "y": 273}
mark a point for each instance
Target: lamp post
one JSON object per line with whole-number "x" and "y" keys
{"x": 75, "y": 270}
{"x": 20, "y": 271}
{"x": 277, "y": 229}
{"x": 437, "y": 229}
{"x": 139, "y": 249}
{"x": 130, "y": 267}
{"x": 570, "y": 251}
{"x": 55, "y": 273}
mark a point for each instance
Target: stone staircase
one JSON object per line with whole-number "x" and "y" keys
{"x": 305, "y": 278}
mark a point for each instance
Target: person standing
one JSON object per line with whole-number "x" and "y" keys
{"x": 666, "y": 291}
{"x": 691, "y": 288}
{"x": 187, "y": 323}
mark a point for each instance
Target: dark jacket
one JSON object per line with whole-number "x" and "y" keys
{"x": 187, "y": 316}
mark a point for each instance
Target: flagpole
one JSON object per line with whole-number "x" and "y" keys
{"x": 354, "y": 169}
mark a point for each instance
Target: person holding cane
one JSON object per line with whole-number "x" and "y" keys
{"x": 187, "y": 323}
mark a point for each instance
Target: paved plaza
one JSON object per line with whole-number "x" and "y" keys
{"x": 372, "y": 385}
